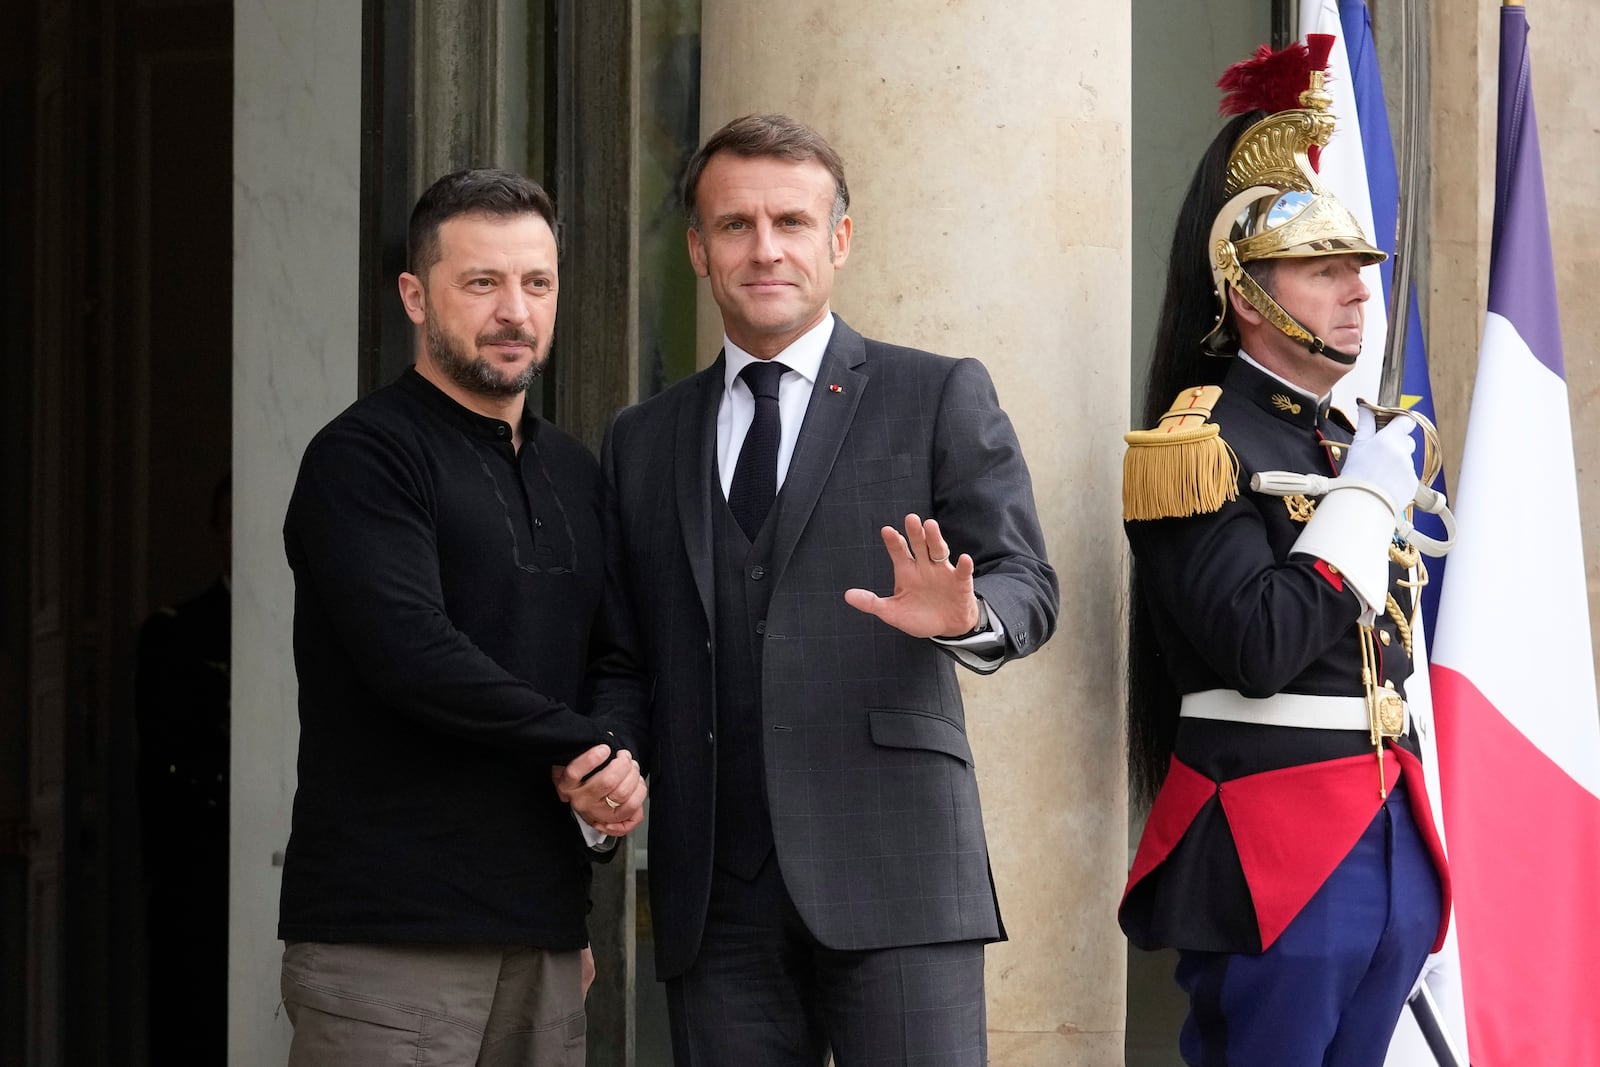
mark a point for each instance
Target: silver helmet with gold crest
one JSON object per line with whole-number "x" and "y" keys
{"x": 1276, "y": 207}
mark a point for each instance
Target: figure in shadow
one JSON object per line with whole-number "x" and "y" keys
{"x": 181, "y": 705}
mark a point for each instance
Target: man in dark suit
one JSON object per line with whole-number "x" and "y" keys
{"x": 819, "y": 876}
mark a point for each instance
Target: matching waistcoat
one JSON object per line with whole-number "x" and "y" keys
{"x": 743, "y": 832}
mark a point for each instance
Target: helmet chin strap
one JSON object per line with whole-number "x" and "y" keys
{"x": 1321, "y": 348}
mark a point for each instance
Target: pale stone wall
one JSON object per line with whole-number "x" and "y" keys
{"x": 297, "y": 99}
{"x": 1462, "y": 84}
{"x": 987, "y": 150}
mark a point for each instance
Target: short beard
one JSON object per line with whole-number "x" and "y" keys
{"x": 476, "y": 374}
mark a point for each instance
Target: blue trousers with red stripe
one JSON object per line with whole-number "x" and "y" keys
{"x": 1330, "y": 989}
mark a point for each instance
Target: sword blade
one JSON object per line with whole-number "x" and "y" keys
{"x": 1412, "y": 131}
{"x": 1426, "y": 1011}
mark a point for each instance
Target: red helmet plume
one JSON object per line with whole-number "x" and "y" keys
{"x": 1273, "y": 81}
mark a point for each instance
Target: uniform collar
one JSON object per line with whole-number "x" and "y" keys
{"x": 1276, "y": 395}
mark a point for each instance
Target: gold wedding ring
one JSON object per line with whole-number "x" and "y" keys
{"x": 612, "y": 804}
{"x": 939, "y": 559}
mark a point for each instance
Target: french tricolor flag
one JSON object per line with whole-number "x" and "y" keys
{"x": 1513, "y": 667}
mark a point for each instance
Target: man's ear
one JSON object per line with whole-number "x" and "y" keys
{"x": 1243, "y": 309}
{"x": 841, "y": 243}
{"x": 414, "y": 298}
{"x": 697, "y": 253}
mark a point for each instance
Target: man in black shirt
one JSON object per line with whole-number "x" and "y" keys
{"x": 444, "y": 542}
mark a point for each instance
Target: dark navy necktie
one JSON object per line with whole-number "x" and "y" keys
{"x": 755, "y": 477}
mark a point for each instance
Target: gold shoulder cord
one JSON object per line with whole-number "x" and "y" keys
{"x": 1386, "y": 712}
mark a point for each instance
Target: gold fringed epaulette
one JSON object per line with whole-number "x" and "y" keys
{"x": 1182, "y": 466}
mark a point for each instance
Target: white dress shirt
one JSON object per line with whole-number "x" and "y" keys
{"x": 738, "y": 407}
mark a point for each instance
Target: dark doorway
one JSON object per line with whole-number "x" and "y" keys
{"x": 116, "y": 306}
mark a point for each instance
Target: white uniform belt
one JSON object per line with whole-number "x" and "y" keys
{"x": 1282, "y": 709}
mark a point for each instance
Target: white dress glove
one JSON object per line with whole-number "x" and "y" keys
{"x": 1355, "y": 522}
{"x": 1383, "y": 459}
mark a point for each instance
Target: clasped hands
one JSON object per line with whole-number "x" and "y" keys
{"x": 612, "y": 801}
{"x": 933, "y": 594}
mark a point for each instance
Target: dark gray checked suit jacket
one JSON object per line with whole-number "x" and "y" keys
{"x": 869, "y": 775}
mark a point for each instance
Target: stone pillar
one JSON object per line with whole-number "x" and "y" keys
{"x": 297, "y": 143}
{"x": 1463, "y": 49}
{"x": 987, "y": 153}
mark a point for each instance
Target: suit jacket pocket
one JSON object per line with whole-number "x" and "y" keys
{"x": 861, "y": 472}
{"x": 904, "y": 728}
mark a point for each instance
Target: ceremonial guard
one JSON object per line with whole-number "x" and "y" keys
{"x": 1290, "y": 854}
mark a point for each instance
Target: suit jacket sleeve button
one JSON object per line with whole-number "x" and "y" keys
{"x": 758, "y": 572}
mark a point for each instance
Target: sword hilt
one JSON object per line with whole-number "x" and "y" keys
{"x": 1432, "y": 453}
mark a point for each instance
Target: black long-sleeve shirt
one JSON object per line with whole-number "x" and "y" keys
{"x": 444, "y": 589}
